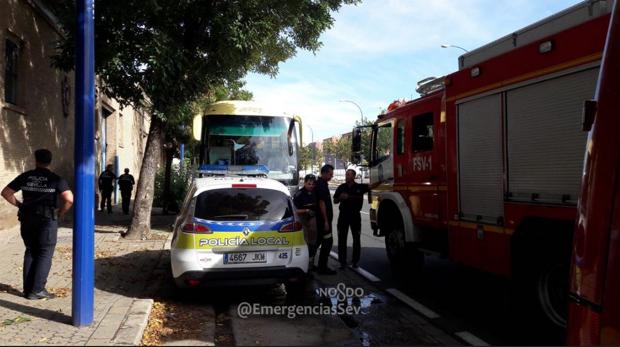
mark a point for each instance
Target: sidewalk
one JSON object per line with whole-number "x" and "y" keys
{"x": 127, "y": 275}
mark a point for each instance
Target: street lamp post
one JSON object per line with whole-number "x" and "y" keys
{"x": 358, "y": 107}
{"x": 362, "y": 123}
{"x": 455, "y": 46}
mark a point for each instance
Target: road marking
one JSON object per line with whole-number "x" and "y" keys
{"x": 367, "y": 275}
{"x": 430, "y": 314}
{"x": 471, "y": 338}
{"x": 364, "y": 212}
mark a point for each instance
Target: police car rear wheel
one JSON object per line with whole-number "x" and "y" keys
{"x": 295, "y": 289}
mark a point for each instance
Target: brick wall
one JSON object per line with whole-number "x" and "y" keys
{"x": 41, "y": 117}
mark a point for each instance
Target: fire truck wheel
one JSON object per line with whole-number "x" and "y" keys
{"x": 551, "y": 292}
{"x": 541, "y": 295}
{"x": 405, "y": 258}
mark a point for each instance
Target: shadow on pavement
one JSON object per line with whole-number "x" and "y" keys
{"x": 37, "y": 312}
{"x": 135, "y": 274}
{"x": 6, "y": 288}
{"x": 147, "y": 274}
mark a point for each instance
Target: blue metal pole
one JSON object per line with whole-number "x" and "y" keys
{"x": 182, "y": 150}
{"x": 84, "y": 212}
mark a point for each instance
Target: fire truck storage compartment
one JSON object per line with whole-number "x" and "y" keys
{"x": 544, "y": 137}
{"x": 480, "y": 159}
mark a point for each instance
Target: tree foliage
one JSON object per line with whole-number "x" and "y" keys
{"x": 342, "y": 150}
{"x": 365, "y": 140}
{"x": 305, "y": 157}
{"x": 166, "y": 54}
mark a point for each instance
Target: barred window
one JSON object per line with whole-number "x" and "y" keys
{"x": 11, "y": 58}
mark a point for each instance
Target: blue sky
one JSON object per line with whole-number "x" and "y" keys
{"x": 377, "y": 51}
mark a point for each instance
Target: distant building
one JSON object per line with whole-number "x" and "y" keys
{"x": 36, "y": 104}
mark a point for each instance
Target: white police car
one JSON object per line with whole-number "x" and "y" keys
{"x": 237, "y": 230}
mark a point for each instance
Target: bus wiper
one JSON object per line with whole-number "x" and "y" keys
{"x": 231, "y": 217}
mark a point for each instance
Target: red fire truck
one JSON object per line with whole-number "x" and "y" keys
{"x": 485, "y": 167}
{"x": 594, "y": 306}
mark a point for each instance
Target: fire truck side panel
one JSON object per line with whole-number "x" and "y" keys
{"x": 481, "y": 192}
{"x": 532, "y": 121}
{"x": 544, "y": 138}
{"x": 481, "y": 246}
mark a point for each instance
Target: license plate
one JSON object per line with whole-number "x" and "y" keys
{"x": 245, "y": 258}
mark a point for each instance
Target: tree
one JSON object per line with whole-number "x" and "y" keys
{"x": 366, "y": 137}
{"x": 305, "y": 157}
{"x": 164, "y": 54}
{"x": 342, "y": 150}
{"x": 329, "y": 150}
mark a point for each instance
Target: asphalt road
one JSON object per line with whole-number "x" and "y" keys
{"x": 271, "y": 316}
{"x": 465, "y": 299}
{"x": 451, "y": 305}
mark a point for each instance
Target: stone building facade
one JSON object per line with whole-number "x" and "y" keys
{"x": 37, "y": 105}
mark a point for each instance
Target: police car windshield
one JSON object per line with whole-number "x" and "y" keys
{"x": 243, "y": 204}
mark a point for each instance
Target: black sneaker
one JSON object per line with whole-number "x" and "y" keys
{"x": 355, "y": 266}
{"x": 42, "y": 295}
{"x": 343, "y": 266}
{"x": 326, "y": 271}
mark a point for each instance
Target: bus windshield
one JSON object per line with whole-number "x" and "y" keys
{"x": 251, "y": 140}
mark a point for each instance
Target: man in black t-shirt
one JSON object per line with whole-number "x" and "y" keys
{"x": 306, "y": 204}
{"x": 39, "y": 220}
{"x": 125, "y": 183}
{"x": 324, "y": 219}
{"x": 350, "y": 196}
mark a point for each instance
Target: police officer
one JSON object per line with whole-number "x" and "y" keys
{"x": 306, "y": 204}
{"x": 350, "y": 196}
{"x": 106, "y": 186}
{"x": 324, "y": 219}
{"x": 125, "y": 183}
{"x": 39, "y": 220}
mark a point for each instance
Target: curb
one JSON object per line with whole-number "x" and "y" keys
{"x": 135, "y": 322}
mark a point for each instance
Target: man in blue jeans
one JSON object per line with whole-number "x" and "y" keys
{"x": 39, "y": 220}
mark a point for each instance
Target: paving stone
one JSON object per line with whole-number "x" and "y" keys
{"x": 117, "y": 315}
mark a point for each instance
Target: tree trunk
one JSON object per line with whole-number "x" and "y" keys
{"x": 140, "y": 228}
{"x": 167, "y": 178}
